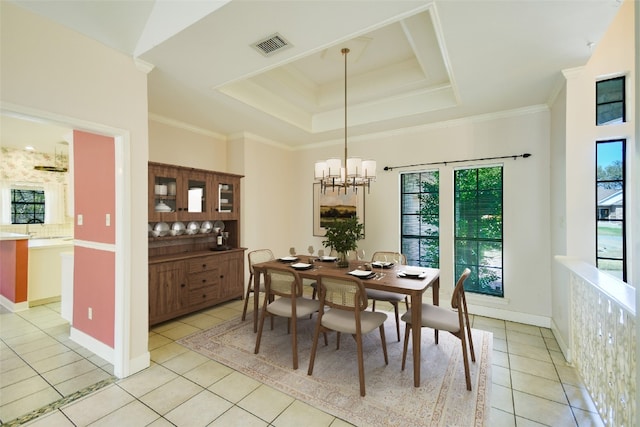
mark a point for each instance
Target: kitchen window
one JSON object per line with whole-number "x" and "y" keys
{"x": 27, "y": 206}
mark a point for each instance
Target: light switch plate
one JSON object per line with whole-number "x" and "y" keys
{"x": 79, "y": 219}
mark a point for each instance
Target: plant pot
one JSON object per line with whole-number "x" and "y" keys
{"x": 343, "y": 260}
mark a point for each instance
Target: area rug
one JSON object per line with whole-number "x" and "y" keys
{"x": 391, "y": 399}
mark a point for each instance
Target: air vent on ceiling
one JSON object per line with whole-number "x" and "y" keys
{"x": 271, "y": 45}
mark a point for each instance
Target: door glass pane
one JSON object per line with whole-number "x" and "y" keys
{"x": 197, "y": 191}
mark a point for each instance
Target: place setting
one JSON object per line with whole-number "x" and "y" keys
{"x": 412, "y": 273}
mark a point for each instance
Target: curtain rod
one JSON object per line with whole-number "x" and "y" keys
{"x": 514, "y": 157}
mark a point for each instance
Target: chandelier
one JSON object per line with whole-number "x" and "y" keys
{"x": 356, "y": 172}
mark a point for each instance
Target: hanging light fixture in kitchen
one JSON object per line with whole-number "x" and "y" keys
{"x": 59, "y": 160}
{"x": 356, "y": 172}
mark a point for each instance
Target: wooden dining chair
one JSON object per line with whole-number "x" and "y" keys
{"x": 391, "y": 297}
{"x": 255, "y": 257}
{"x": 283, "y": 298}
{"x": 455, "y": 321}
{"x": 346, "y": 299}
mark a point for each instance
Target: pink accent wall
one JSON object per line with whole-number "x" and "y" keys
{"x": 94, "y": 278}
{"x": 94, "y": 186}
{"x": 94, "y": 269}
{"x": 14, "y": 267}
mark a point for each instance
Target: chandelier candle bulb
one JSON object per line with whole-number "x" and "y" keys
{"x": 354, "y": 166}
{"x": 335, "y": 166}
{"x": 369, "y": 169}
{"x": 321, "y": 170}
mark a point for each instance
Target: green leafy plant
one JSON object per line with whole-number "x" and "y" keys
{"x": 343, "y": 236}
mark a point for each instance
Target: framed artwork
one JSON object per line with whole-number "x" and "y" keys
{"x": 333, "y": 205}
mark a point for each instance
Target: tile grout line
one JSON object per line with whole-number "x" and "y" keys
{"x": 60, "y": 402}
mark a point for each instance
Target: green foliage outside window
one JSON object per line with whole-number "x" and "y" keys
{"x": 478, "y": 210}
{"x": 420, "y": 217}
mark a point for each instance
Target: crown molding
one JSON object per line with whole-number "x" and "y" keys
{"x": 186, "y": 126}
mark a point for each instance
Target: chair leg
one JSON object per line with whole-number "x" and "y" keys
{"x": 395, "y": 308}
{"x": 468, "y": 328}
{"x": 260, "y": 325}
{"x": 314, "y": 346}
{"x": 294, "y": 342}
{"x": 407, "y": 332}
{"x": 358, "y": 338}
{"x": 467, "y": 375}
{"x": 246, "y": 297}
{"x": 383, "y": 341}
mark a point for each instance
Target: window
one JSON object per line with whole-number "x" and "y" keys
{"x": 27, "y": 206}
{"x": 610, "y": 108}
{"x": 478, "y": 228}
{"x": 610, "y": 228}
{"x": 420, "y": 220}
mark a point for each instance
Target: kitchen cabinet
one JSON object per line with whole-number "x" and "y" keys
{"x": 183, "y": 283}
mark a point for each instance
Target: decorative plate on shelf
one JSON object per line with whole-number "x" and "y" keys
{"x": 206, "y": 227}
{"x": 177, "y": 228}
{"x": 218, "y": 224}
{"x": 161, "y": 229}
{"x": 193, "y": 227}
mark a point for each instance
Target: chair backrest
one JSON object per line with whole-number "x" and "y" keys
{"x": 458, "y": 298}
{"x": 389, "y": 256}
{"x": 258, "y": 256}
{"x": 346, "y": 293}
{"x": 282, "y": 281}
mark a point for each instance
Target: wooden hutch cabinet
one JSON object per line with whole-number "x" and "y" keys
{"x": 189, "y": 272}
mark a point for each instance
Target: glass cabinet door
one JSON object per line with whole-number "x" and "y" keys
{"x": 163, "y": 185}
{"x": 193, "y": 198}
{"x": 227, "y": 197}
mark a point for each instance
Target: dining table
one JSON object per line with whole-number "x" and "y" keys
{"x": 388, "y": 277}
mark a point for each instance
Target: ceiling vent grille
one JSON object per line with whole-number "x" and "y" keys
{"x": 271, "y": 45}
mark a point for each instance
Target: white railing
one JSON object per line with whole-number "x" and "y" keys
{"x": 604, "y": 342}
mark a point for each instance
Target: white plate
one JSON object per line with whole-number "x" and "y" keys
{"x": 361, "y": 273}
{"x": 413, "y": 274}
{"x": 300, "y": 265}
{"x": 328, "y": 258}
{"x": 382, "y": 264}
{"x": 289, "y": 258}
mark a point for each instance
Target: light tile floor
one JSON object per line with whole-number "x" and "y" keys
{"x": 532, "y": 383}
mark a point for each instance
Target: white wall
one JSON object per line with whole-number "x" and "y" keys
{"x": 176, "y": 144}
{"x": 51, "y": 72}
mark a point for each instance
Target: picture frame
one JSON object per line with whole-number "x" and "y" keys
{"x": 333, "y": 203}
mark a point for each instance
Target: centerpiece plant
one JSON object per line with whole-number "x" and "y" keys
{"x": 342, "y": 236}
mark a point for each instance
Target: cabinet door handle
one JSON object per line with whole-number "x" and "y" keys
{"x": 204, "y": 265}
{"x": 222, "y": 276}
{"x": 204, "y": 295}
{"x": 182, "y": 285}
{"x": 204, "y": 280}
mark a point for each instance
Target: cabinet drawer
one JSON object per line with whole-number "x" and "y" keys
{"x": 204, "y": 263}
{"x": 204, "y": 279}
{"x": 204, "y": 295}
